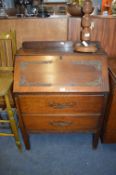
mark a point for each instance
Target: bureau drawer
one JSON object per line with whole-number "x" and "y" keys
{"x": 61, "y": 123}
{"x": 60, "y": 104}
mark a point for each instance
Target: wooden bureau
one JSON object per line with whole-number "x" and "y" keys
{"x": 58, "y": 90}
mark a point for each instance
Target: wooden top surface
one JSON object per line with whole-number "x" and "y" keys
{"x": 53, "y": 48}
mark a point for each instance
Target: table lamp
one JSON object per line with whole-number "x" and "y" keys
{"x": 86, "y": 45}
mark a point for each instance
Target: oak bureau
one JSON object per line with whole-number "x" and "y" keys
{"x": 59, "y": 90}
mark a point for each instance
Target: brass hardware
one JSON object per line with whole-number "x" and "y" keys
{"x": 60, "y": 123}
{"x": 62, "y": 105}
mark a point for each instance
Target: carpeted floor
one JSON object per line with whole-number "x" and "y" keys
{"x": 57, "y": 154}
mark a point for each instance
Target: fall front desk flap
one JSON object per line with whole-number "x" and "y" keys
{"x": 86, "y": 73}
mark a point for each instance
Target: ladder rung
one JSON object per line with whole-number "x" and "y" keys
{"x": 4, "y": 121}
{"x": 6, "y": 134}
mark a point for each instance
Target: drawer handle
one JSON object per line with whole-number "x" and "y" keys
{"x": 61, "y": 105}
{"x": 60, "y": 123}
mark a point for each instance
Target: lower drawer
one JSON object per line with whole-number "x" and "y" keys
{"x": 60, "y": 124}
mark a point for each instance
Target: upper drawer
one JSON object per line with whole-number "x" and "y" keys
{"x": 61, "y": 104}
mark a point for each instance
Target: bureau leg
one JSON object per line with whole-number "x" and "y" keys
{"x": 95, "y": 140}
{"x": 25, "y": 138}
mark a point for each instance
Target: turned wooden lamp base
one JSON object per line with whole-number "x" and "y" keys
{"x": 85, "y": 47}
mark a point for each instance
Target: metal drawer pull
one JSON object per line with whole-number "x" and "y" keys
{"x": 60, "y": 123}
{"x": 61, "y": 105}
